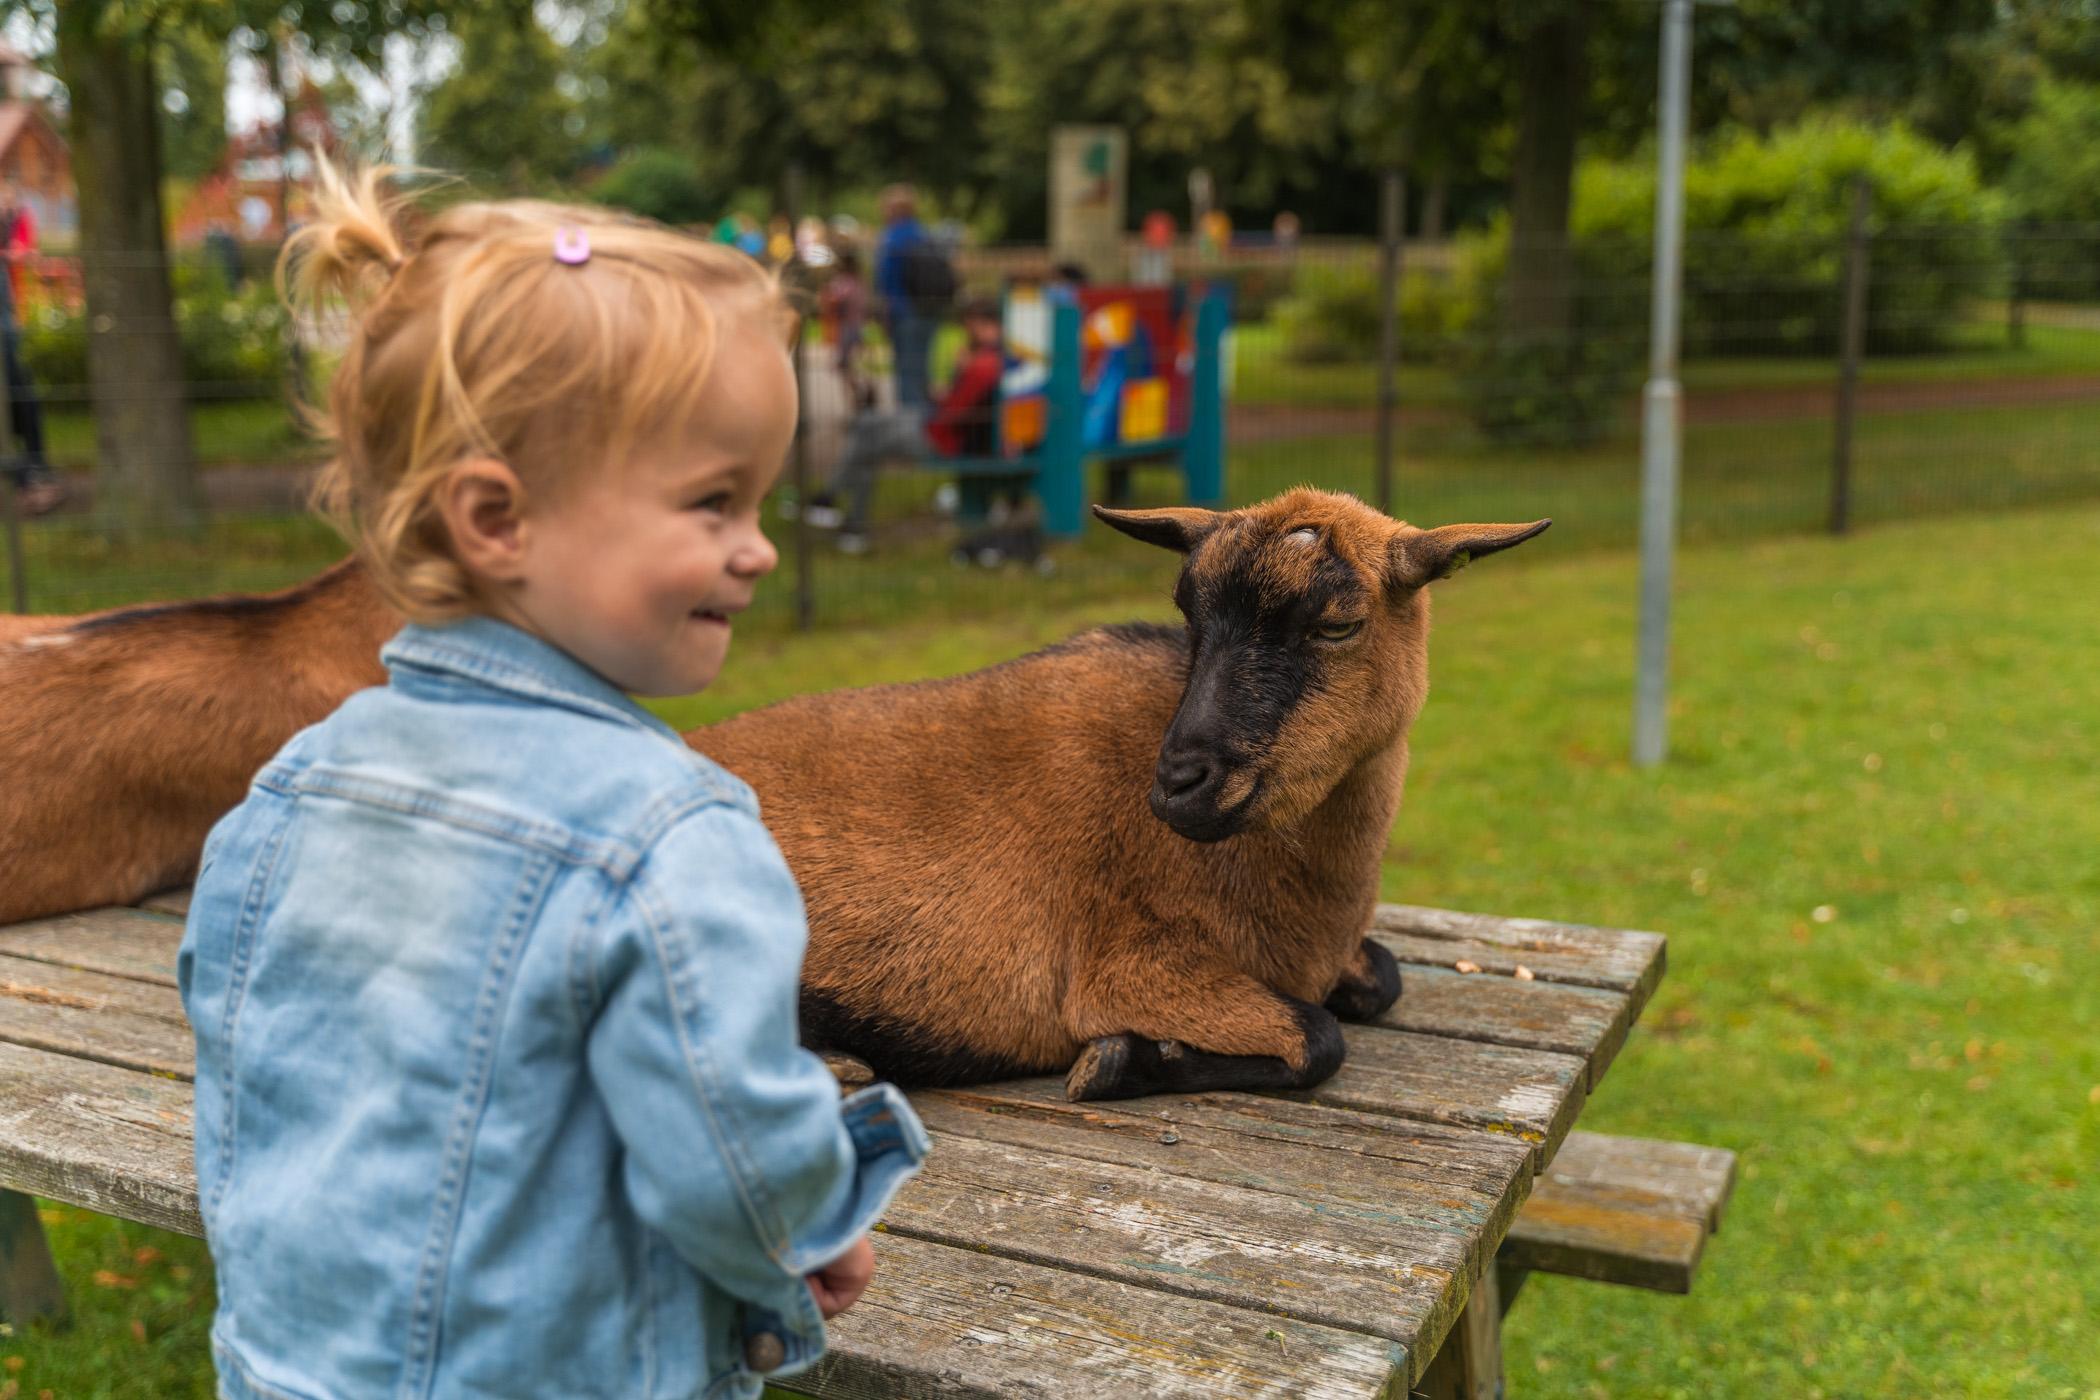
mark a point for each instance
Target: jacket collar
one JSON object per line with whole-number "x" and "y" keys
{"x": 483, "y": 651}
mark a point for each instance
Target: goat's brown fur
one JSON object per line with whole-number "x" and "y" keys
{"x": 125, "y": 735}
{"x": 987, "y": 890}
{"x": 14, "y": 626}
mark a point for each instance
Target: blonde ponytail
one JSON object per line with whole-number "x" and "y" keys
{"x": 351, "y": 246}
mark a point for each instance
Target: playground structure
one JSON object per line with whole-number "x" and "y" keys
{"x": 1121, "y": 375}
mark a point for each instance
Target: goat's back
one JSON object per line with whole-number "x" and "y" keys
{"x": 1003, "y": 805}
{"x": 124, "y": 735}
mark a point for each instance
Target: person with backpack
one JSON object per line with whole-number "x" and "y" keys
{"x": 917, "y": 283}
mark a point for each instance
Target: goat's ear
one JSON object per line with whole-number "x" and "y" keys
{"x": 1416, "y": 557}
{"x": 1173, "y": 527}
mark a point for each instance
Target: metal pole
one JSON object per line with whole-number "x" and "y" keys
{"x": 1661, "y": 409}
{"x": 805, "y": 583}
{"x": 1852, "y": 341}
{"x": 1392, "y": 216}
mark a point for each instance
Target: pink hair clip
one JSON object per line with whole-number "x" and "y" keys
{"x": 571, "y": 246}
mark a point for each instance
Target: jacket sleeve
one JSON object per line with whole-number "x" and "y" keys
{"x": 738, "y": 1148}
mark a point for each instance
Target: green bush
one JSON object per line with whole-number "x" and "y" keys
{"x": 1765, "y": 227}
{"x": 2053, "y": 183}
{"x": 235, "y": 344}
{"x": 1554, "y": 389}
{"x": 1765, "y": 222}
{"x": 1331, "y": 315}
{"x": 657, "y": 184}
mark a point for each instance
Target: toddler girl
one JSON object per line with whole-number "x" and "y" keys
{"x": 493, "y": 978}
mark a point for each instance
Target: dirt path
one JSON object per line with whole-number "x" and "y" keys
{"x": 1249, "y": 423}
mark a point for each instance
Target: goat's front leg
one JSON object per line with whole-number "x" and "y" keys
{"x": 1370, "y": 983}
{"x": 1152, "y": 1029}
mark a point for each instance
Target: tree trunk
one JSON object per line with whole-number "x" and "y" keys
{"x": 1552, "y": 81}
{"x": 146, "y": 473}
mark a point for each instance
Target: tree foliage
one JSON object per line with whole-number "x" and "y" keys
{"x": 503, "y": 116}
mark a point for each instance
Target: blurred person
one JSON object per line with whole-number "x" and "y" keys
{"x": 963, "y": 424}
{"x": 38, "y": 488}
{"x": 843, "y": 307}
{"x": 916, "y": 283}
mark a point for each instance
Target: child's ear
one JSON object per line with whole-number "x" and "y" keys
{"x": 483, "y": 502}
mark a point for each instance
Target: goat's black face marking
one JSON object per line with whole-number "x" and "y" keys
{"x": 1252, "y": 601}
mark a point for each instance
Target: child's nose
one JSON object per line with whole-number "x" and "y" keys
{"x": 755, "y": 556}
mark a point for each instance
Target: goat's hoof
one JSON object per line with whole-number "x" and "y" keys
{"x": 1100, "y": 1069}
{"x": 851, "y": 1071}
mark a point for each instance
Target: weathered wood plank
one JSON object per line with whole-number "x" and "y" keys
{"x": 1535, "y": 1015}
{"x": 119, "y": 1021}
{"x": 1621, "y": 960}
{"x": 946, "y": 1322}
{"x": 121, "y": 942}
{"x": 1530, "y": 1095}
{"x": 176, "y": 902}
{"x": 111, "y": 1140}
{"x": 1352, "y": 1267}
{"x": 1623, "y": 1210}
{"x": 1462, "y": 1183}
{"x": 1684, "y": 1178}
{"x": 1469, "y": 1364}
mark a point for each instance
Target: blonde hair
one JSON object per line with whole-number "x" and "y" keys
{"x": 468, "y": 337}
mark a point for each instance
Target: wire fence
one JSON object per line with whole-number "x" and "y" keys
{"x": 1516, "y": 373}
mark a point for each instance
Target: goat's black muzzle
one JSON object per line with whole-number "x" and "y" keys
{"x": 1185, "y": 790}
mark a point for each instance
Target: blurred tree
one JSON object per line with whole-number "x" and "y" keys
{"x": 193, "y": 101}
{"x": 109, "y": 55}
{"x": 146, "y": 475}
{"x": 847, "y": 94}
{"x": 503, "y": 113}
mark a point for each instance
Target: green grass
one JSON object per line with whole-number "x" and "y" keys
{"x": 1884, "y": 726}
{"x": 1266, "y": 375}
{"x": 238, "y": 432}
{"x": 1897, "y": 730}
{"x": 1739, "y": 480}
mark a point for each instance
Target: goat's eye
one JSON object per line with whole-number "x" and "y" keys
{"x": 1338, "y": 631}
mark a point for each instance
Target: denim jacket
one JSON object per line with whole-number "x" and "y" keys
{"x": 498, "y": 1091}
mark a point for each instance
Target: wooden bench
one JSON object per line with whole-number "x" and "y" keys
{"x": 1339, "y": 1242}
{"x": 1619, "y": 1210}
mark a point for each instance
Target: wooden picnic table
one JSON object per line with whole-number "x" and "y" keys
{"x": 1339, "y": 1242}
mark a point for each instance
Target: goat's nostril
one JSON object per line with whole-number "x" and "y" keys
{"x": 1179, "y": 777}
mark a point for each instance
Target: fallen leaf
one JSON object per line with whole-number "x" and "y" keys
{"x": 1523, "y": 973}
{"x": 108, "y": 1278}
{"x": 144, "y": 1255}
{"x": 138, "y": 1330}
{"x": 1464, "y": 966}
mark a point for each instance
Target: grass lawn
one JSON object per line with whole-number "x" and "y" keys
{"x": 1264, "y": 375}
{"x": 234, "y": 432}
{"x": 1740, "y": 479}
{"x": 1873, "y": 852}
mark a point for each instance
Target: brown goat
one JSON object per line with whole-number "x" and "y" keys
{"x": 989, "y": 893}
{"x": 124, "y": 735}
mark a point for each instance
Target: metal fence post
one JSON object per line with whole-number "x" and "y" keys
{"x": 2016, "y": 304}
{"x": 1392, "y": 215}
{"x": 1661, "y": 420}
{"x": 1854, "y": 341}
